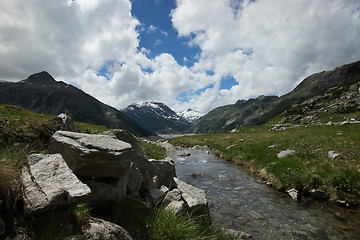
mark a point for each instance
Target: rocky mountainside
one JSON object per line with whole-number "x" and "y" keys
{"x": 343, "y": 100}
{"x": 156, "y": 117}
{"x": 262, "y": 109}
{"x": 41, "y": 93}
{"x": 190, "y": 115}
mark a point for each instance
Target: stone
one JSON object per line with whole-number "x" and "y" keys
{"x": 184, "y": 154}
{"x": 333, "y": 154}
{"x": 285, "y": 153}
{"x": 98, "y": 229}
{"x": 231, "y": 146}
{"x": 344, "y": 123}
{"x": 128, "y": 137}
{"x": 196, "y": 174}
{"x": 134, "y": 182}
{"x": 173, "y": 195}
{"x": 49, "y": 184}
{"x": 67, "y": 124}
{"x": 176, "y": 207}
{"x": 273, "y": 146}
{"x": 234, "y": 234}
{"x": 93, "y": 155}
{"x": 293, "y": 193}
{"x": 319, "y": 195}
{"x": 330, "y": 123}
{"x": 194, "y": 197}
{"x": 165, "y": 172}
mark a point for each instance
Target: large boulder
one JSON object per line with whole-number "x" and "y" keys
{"x": 194, "y": 197}
{"x": 49, "y": 184}
{"x": 128, "y": 137}
{"x": 98, "y": 229}
{"x": 2, "y": 227}
{"x": 93, "y": 155}
{"x": 165, "y": 173}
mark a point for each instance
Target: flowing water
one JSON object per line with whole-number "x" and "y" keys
{"x": 239, "y": 202}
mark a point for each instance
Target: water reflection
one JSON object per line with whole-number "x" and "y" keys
{"x": 237, "y": 201}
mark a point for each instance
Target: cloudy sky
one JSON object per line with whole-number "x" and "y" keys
{"x": 196, "y": 54}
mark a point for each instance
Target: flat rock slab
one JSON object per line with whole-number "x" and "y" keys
{"x": 49, "y": 184}
{"x": 194, "y": 197}
{"x": 93, "y": 155}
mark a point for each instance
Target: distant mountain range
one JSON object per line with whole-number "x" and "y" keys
{"x": 41, "y": 93}
{"x": 262, "y": 109}
{"x": 158, "y": 118}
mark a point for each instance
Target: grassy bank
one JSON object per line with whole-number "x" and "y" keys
{"x": 309, "y": 167}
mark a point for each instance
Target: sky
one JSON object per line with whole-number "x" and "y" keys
{"x": 185, "y": 53}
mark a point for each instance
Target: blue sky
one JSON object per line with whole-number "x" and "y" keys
{"x": 185, "y": 53}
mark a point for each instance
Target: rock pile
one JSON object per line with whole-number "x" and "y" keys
{"x": 100, "y": 168}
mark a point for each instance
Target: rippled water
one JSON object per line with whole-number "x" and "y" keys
{"x": 237, "y": 201}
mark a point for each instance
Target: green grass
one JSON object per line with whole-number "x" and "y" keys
{"x": 310, "y": 167}
{"x": 166, "y": 225}
{"x": 153, "y": 151}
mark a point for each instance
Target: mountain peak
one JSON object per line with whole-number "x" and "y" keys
{"x": 43, "y": 78}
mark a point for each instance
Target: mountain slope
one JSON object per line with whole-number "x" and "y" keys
{"x": 261, "y": 110}
{"x": 41, "y": 93}
{"x": 156, "y": 117}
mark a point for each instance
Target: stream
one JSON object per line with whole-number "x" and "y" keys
{"x": 238, "y": 201}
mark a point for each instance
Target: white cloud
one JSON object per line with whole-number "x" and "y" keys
{"x": 267, "y": 46}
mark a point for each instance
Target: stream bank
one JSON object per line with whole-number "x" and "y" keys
{"x": 238, "y": 201}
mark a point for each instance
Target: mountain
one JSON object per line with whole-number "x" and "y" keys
{"x": 156, "y": 117}
{"x": 190, "y": 115}
{"x": 41, "y": 93}
{"x": 262, "y": 109}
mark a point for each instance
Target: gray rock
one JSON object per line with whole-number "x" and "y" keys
{"x": 319, "y": 194}
{"x": 184, "y": 154}
{"x": 330, "y": 123}
{"x": 273, "y": 146}
{"x": 344, "y": 123}
{"x": 98, "y": 229}
{"x": 236, "y": 234}
{"x": 293, "y": 193}
{"x": 67, "y": 124}
{"x": 128, "y": 137}
{"x": 194, "y": 197}
{"x": 173, "y": 195}
{"x": 285, "y": 153}
{"x": 134, "y": 182}
{"x": 176, "y": 206}
{"x": 48, "y": 184}
{"x": 333, "y": 154}
{"x": 93, "y": 155}
{"x": 165, "y": 172}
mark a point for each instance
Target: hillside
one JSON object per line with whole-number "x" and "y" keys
{"x": 156, "y": 117}
{"x": 260, "y": 110}
{"x": 41, "y": 93}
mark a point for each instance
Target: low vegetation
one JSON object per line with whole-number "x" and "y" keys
{"x": 153, "y": 151}
{"x": 309, "y": 167}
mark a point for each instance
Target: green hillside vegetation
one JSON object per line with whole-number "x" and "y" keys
{"x": 262, "y": 109}
{"x": 308, "y": 168}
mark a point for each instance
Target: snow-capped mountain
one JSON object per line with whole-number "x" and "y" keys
{"x": 190, "y": 115}
{"x": 156, "y": 117}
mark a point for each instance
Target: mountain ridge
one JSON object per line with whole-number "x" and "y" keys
{"x": 260, "y": 110}
{"x": 41, "y": 93}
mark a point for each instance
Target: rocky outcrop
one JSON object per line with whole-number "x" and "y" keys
{"x": 90, "y": 155}
{"x": 98, "y": 229}
{"x": 194, "y": 197}
{"x": 67, "y": 124}
{"x": 49, "y": 184}
{"x": 165, "y": 173}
